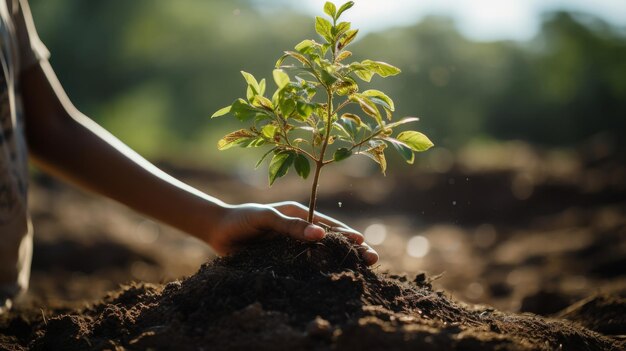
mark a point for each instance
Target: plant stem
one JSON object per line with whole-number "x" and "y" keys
{"x": 342, "y": 105}
{"x": 364, "y": 141}
{"x": 320, "y": 162}
{"x": 313, "y": 198}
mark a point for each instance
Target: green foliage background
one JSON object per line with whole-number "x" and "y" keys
{"x": 152, "y": 71}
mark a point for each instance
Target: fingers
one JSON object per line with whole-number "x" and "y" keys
{"x": 294, "y": 209}
{"x": 295, "y": 227}
{"x": 322, "y": 218}
{"x": 370, "y": 256}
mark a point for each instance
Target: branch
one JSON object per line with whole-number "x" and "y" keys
{"x": 360, "y": 143}
{"x": 342, "y": 105}
{"x": 304, "y": 152}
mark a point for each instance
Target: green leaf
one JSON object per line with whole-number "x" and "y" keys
{"x": 263, "y": 158}
{"x": 368, "y": 107}
{"x": 330, "y": 9}
{"x": 317, "y": 139}
{"x": 243, "y": 111}
{"x": 298, "y": 141}
{"x": 388, "y": 113}
{"x": 403, "y": 149}
{"x": 262, "y": 117}
{"x": 343, "y": 55}
{"x": 376, "y": 142}
{"x": 366, "y": 69}
{"x": 281, "y": 78}
{"x": 415, "y": 140}
{"x": 341, "y": 28}
{"x": 250, "y": 94}
{"x": 343, "y": 8}
{"x": 324, "y": 48}
{"x": 347, "y": 38}
{"x": 234, "y": 138}
{"x": 351, "y": 127}
{"x": 305, "y": 109}
{"x": 269, "y": 131}
{"x": 307, "y": 128}
{"x": 222, "y": 111}
{"x": 382, "y": 68}
{"x": 341, "y": 154}
{"x": 379, "y": 98}
{"x": 287, "y": 106}
{"x": 377, "y": 154}
{"x": 279, "y": 165}
{"x": 262, "y": 87}
{"x": 324, "y": 28}
{"x": 327, "y": 78}
{"x": 346, "y": 87}
{"x": 353, "y": 117}
{"x": 305, "y": 46}
{"x": 342, "y": 131}
{"x": 280, "y": 60}
{"x": 251, "y": 82}
{"x": 255, "y": 142}
{"x": 302, "y": 166}
{"x": 295, "y": 55}
{"x": 262, "y": 102}
{"x": 402, "y": 121}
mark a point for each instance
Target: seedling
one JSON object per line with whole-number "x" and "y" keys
{"x": 301, "y": 128}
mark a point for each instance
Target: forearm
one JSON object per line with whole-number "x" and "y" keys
{"x": 70, "y": 145}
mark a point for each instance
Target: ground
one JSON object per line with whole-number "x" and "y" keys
{"x": 526, "y": 251}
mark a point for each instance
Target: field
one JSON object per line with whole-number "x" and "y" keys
{"x": 493, "y": 249}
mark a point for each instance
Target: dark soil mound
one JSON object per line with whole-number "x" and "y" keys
{"x": 284, "y": 294}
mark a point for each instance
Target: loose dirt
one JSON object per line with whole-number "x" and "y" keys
{"x": 283, "y": 294}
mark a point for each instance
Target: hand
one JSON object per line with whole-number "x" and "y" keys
{"x": 244, "y": 222}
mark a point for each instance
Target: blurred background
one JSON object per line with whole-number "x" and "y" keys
{"x": 521, "y": 203}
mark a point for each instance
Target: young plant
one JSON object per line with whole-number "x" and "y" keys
{"x": 300, "y": 128}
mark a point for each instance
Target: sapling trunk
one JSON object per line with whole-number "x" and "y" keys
{"x": 320, "y": 161}
{"x": 313, "y": 199}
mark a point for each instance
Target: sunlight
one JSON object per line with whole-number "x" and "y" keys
{"x": 375, "y": 234}
{"x": 418, "y": 246}
{"x": 478, "y": 19}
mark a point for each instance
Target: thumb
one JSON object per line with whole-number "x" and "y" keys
{"x": 296, "y": 228}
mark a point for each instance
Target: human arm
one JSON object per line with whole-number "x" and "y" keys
{"x": 66, "y": 143}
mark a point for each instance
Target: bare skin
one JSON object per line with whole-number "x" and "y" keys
{"x": 64, "y": 142}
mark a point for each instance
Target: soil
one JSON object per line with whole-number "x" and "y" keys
{"x": 284, "y": 294}
{"x": 541, "y": 268}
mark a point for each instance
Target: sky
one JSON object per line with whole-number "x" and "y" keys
{"x": 483, "y": 20}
